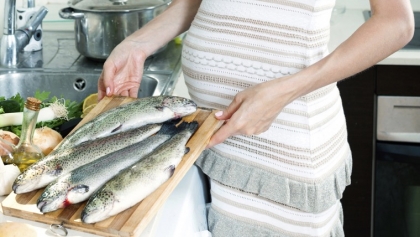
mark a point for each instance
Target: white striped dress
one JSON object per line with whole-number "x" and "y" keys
{"x": 287, "y": 181}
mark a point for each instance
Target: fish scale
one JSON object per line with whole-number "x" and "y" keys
{"x": 153, "y": 109}
{"x": 135, "y": 183}
{"x": 79, "y": 184}
{"x": 126, "y": 117}
{"x": 58, "y": 163}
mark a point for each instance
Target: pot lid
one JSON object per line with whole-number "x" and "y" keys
{"x": 115, "y": 5}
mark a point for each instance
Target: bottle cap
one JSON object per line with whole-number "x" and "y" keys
{"x": 33, "y": 104}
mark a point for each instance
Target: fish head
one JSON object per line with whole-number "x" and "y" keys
{"x": 98, "y": 207}
{"x": 54, "y": 197}
{"x": 29, "y": 179}
{"x": 179, "y": 105}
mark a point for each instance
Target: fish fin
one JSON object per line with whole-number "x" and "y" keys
{"x": 80, "y": 188}
{"x": 117, "y": 128}
{"x": 187, "y": 149}
{"x": 170, "y": 169}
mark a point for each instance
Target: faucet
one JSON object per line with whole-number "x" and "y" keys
{"x": 14, "y": 40}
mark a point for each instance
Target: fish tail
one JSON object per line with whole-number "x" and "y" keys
{"x": 169, "y": 127}
{"x": 191, "y": 126}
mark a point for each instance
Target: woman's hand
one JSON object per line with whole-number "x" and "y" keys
{"x": 253, "y": 110}
{"x": 123, "y": 71}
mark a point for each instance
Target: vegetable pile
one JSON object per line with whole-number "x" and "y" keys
{"x": 54, "y": 111}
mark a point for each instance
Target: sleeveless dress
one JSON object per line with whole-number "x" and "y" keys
{"x": 287, "y": 181}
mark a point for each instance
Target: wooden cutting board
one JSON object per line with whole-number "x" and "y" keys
{"x": 134, "y": 220}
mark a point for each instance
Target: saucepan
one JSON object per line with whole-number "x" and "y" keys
{"x": 100, "y": 25}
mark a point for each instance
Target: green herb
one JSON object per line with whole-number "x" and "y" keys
{"x": 74, "y": 110}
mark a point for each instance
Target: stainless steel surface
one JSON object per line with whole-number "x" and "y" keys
{"x": 115, "y": 5}
{"x": 98, "y": 32}
{"x": 69, "y": 85}
{"x": 398, "y": 119}
{"x": 9, "y": 20}
{"x": 24, "y": 34}
{"x": 59, "y": 68}
{"x": 13, "y": 41}
{"x": 31, "y": 3}
{"x": 415, "y": 42}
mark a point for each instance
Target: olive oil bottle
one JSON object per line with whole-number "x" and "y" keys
{"x": 27, "y": 153}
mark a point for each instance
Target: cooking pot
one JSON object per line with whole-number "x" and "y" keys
{"x": 100, "y": 25}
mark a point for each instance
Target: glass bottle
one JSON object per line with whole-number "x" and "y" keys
{"x": 27, "y": 153}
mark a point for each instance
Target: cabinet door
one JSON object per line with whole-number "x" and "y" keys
{"x": 398, "y": 80}
{"x": 357, "y": 94}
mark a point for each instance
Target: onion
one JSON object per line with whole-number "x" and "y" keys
{"x": 9, "y": 137}
{"x": 7, "y": 140}
{"x": 46, "y": 139}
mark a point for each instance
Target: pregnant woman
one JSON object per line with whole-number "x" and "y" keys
{"x": 281, "y": 161}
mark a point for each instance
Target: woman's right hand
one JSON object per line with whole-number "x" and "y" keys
{"x": 123, "y": 71}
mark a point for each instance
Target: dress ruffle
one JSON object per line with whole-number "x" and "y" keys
{"x": 223, "y": 225}
{"x": 314, "y": 198}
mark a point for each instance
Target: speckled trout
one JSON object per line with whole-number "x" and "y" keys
{"x": 133, "y": 184}
{"x": 147, "y": 110}
{"x": 58, "y": 163}
{"x": 78, "y": 185}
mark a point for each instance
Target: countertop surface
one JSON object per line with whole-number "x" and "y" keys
{"x": 40, "y": 228}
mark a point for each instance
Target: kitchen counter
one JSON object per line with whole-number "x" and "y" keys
{"x": 40, "y": 228}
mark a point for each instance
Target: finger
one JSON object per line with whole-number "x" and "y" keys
{"x": 128, "y": 88}
{"x": 133, "y": 92}
{"x": 123, "y": 93}
{"x": 101, "y": 88}
{"x": 229, "y": 111}
{"x": 108, "y": 74}
{"x": 221, "y": 135}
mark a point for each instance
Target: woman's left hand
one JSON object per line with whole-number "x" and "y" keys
{"x": 252, "y": 111}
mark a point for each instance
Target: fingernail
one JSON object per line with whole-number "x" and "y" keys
{"x": 108, "y": 91}
{"x": 218, "y": 113}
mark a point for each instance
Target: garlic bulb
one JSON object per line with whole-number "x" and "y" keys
{"x": 8, "y": 174}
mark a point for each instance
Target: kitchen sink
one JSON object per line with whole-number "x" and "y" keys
{"x": 69, "y": 85}
{"x": 415, "y": 42}
{"x": 60, "y": 69}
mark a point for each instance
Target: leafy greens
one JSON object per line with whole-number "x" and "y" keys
{"x": 74, "y": 110}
